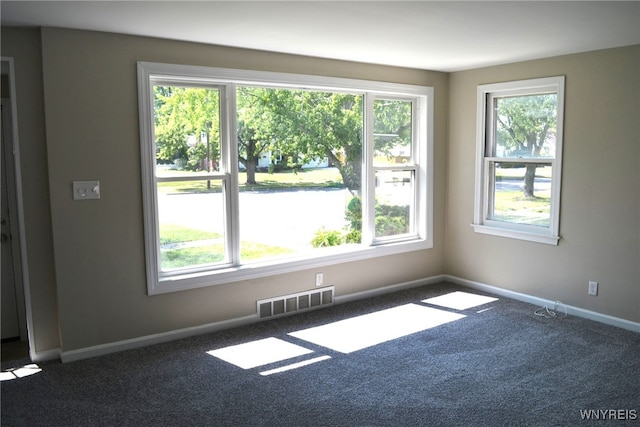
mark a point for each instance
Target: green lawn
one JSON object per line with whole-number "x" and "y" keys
{"x": 514, "y": 206}
{"x": 306, "y": 178}
{"x": 186, "y": 247}
{"x": 190, "y": 257}
{"x": 214, "y": 253}
{"x": 170, "y": 233}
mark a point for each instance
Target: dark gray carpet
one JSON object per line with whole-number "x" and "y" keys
{"x": 501, "y": 365}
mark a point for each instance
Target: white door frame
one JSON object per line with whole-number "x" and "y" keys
{"x": 23, "y": 294}
{"x": 15, "y": 307}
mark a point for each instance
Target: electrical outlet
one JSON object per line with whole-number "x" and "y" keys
{"x": 593, "y": 288}
{"x": 319, "y": 279}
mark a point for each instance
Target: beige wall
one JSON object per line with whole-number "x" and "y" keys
{"x": 24, "y": 47}
{"x": 91, "y": 109}
{"x": 600, "y": 206}
{"x": 87, "y": 128}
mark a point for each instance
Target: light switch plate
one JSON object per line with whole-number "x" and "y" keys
{"x": 86, "y": 190}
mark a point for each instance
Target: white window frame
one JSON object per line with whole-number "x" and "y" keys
{"x": 368, "y": 233}
{"x": 150, "y": 74}
{"x": 484, "y": 134}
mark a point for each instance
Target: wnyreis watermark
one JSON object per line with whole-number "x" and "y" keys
{"x": 609, "y": 414}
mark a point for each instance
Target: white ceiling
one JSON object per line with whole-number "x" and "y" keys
{"x": 433, "y": 35}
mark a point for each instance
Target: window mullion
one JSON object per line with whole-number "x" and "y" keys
{"x": 489, "y": 148}
{"x": 522, "y": 160}
{"x": 149, "y": 193}
{"x": 368, "y": 174}
{"x": 487, "y": 197}
{"x": 402, "y": 167}
{"x": 229, "y": 152}
{"x": 414, "y": 227}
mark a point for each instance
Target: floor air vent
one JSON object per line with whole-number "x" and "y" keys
{"x": 301, "y": 301}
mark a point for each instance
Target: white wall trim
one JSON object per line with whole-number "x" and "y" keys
{"x": 25, "y": 298}
{"x": 144, "y": 341}
{"x": 542, "y": 302}
{"x": 388, "y": 289}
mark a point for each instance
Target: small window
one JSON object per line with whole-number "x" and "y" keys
{"x": 519, "y": 158}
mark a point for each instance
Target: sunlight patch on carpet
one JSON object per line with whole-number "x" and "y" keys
{"x": 295, "y": 365}
{"x": 460, "y": 300}
{"x": 364, "y": 331}
{"x": 259, "y": 353}
{"x": 25, "y": 371}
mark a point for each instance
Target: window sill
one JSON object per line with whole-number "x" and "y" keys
{"x": 335, "y": 255}
{"x": 517, "y": 234}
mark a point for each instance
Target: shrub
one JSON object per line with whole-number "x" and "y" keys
{"x": 354, "y": 214}
{"x": 353, "y": 236}
{"x": 324, "y": 238}
{"x": 390, "y": 220}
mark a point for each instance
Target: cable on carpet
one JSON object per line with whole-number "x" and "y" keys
{"x": 548, "y": 313}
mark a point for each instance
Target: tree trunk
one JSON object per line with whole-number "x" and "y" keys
{"x": 529, "y": 181}
{"x": 350, "y": 171}
{"x": 251, "y": 170}
{"x": 251, "y": 162}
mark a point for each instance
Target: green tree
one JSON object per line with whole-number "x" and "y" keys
{"x": 302, "y": 125}
{"x": 392, "y": 125}
{"x": 305, "y": 125}
{"x": 525, "y": 127}
{"x": 255, "y": 133}
{"x": 331, "y": 125}
{"x": 184, "y": 113}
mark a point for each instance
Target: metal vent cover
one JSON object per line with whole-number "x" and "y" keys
{"x": 302, "y": 301}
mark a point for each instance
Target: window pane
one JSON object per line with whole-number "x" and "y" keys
{"x": 521, "y": 193}
{"x": 191, "y": 223}
{"x": 525, "y": 126}
{"x": 187, "y": 130}
{"x": 395, "y": 199}
{"x": 300, "y": 155}
{"x": 392, "y": 132}
{"x": 293, "y": 220}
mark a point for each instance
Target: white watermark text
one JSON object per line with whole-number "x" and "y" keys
{"x": 609, "y": 414}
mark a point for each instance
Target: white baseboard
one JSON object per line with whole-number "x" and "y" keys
{"x": 541, "y": 302}
{"x": 388, "y": 289}
{"x": 102, "y": 349}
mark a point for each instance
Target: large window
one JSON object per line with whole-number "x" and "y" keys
{"x": 519, "y": 152}
{"x": 247, "y": 174}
